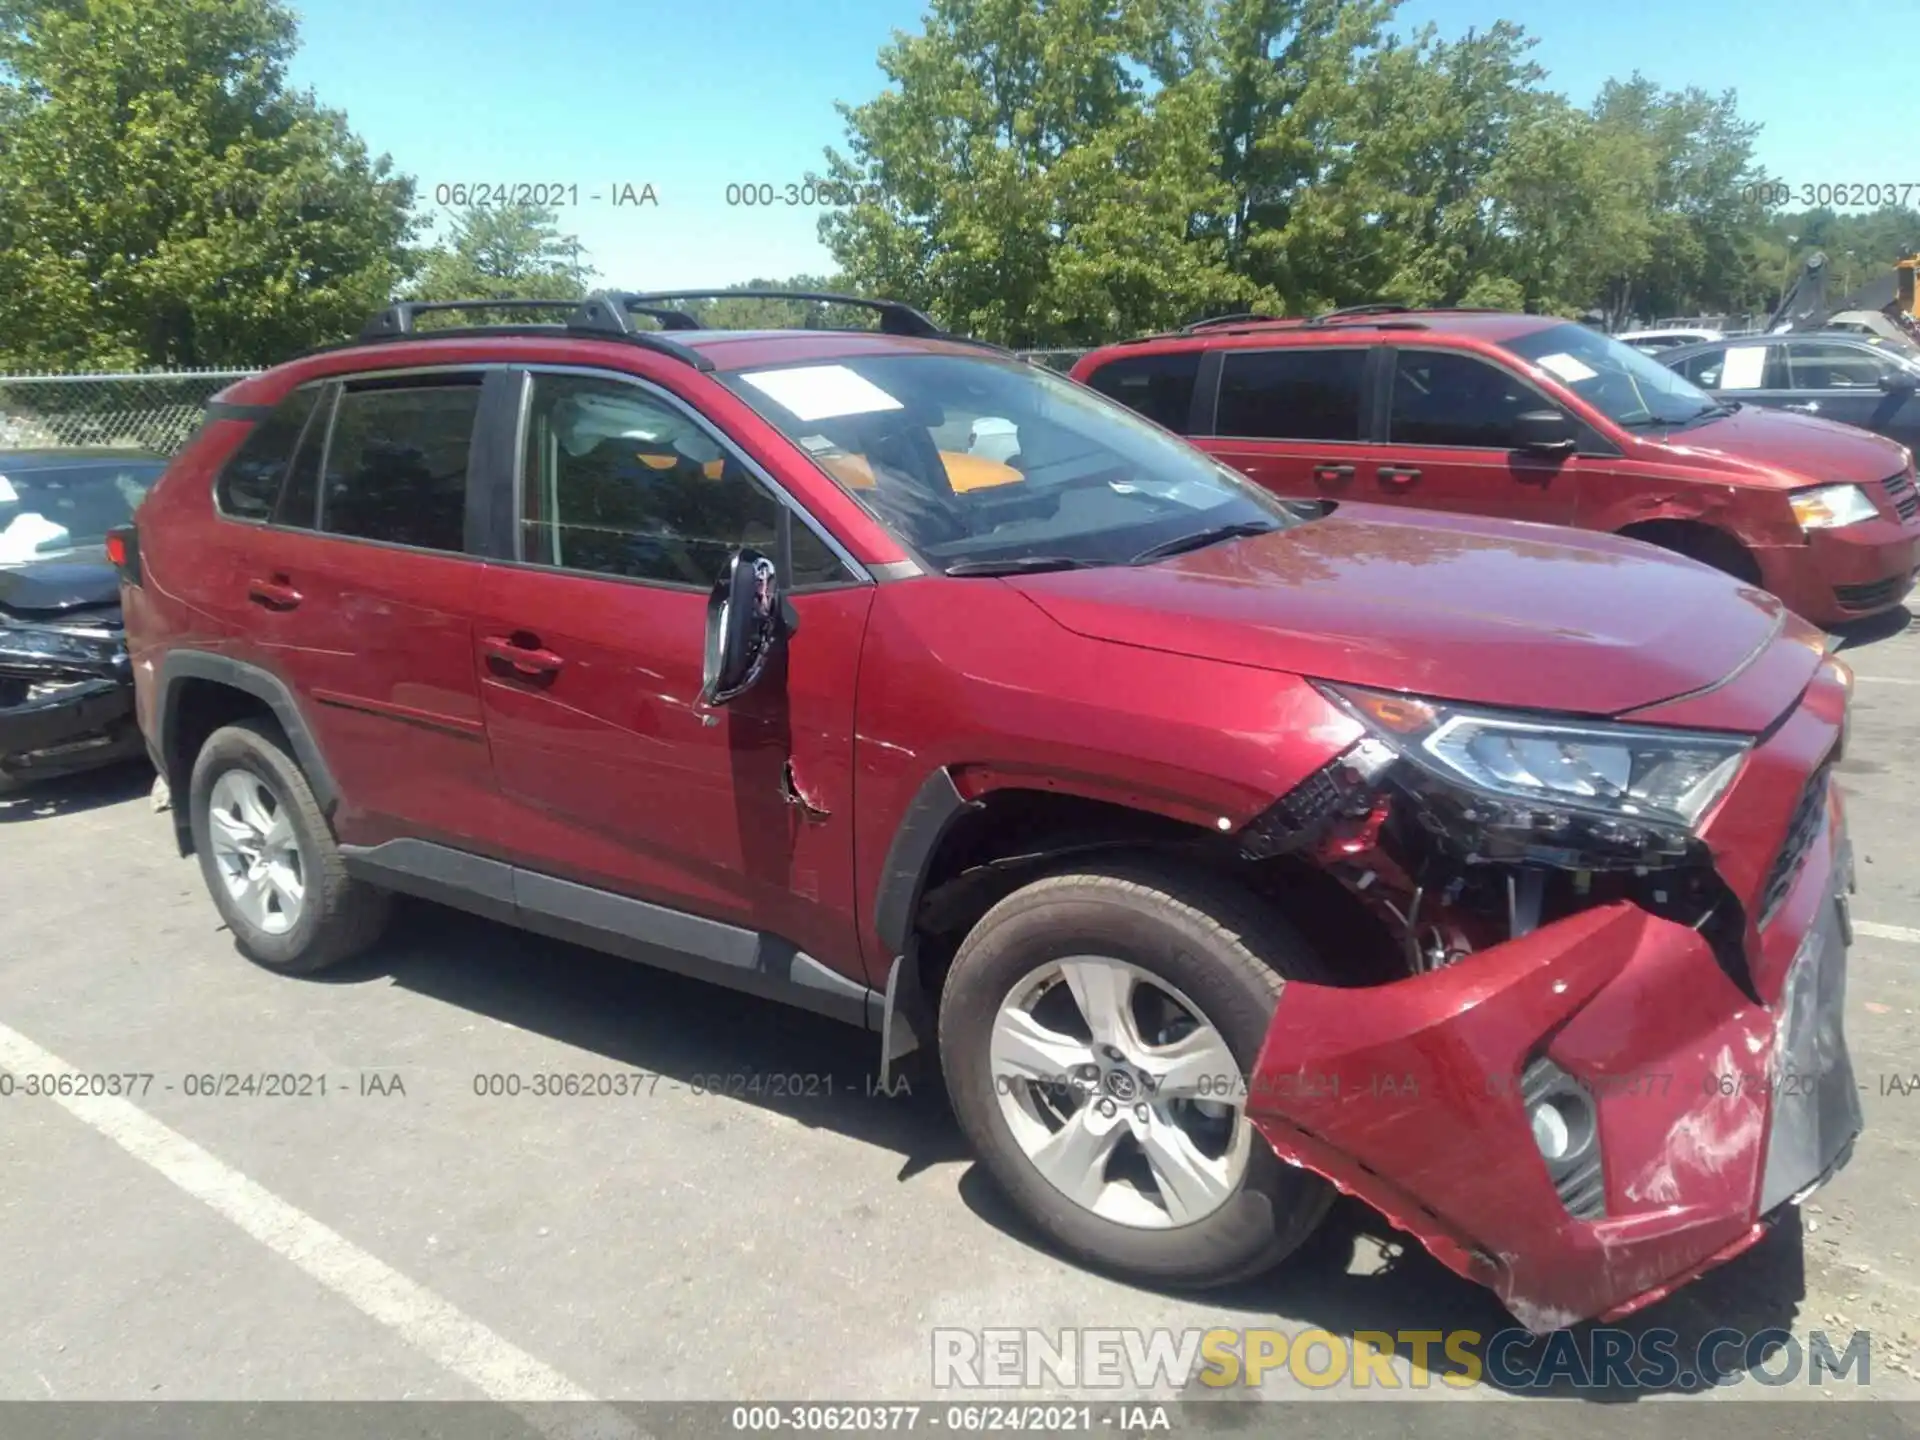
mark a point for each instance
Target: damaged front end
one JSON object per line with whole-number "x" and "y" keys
{"x": 1606, "y": 1048}
{"x": 66, "y": 691}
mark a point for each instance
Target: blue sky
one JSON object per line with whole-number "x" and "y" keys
{"x": 694, "y": 96}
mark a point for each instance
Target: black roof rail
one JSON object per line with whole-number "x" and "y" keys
{"x": 1375, "y": 309}
{"x": 896, "y": 317}
{"x": 1241, "y": 317}
{"x": 398, "y": 318}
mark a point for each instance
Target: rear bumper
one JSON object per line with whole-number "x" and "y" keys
{"x": 1846, "y": 573}
{"x": 1710, "y": 1109}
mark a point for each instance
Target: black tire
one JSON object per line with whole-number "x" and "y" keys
{"x": 1709, "y": 547}
{"x": 339, "y": 916}
{"x": 1219, "y": 947}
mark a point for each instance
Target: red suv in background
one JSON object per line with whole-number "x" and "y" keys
{"x": 1534, "y": 418}
{"x": 1228, "y": 850}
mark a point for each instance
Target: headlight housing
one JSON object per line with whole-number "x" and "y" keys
{"x": 1587, "y": 794}
{"x": 1826, "y": 506}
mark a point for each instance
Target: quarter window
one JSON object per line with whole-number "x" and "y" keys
{"x": 250, "y": 481}
{"x": 1292, "y": 394}
{"x": 1442, "y": 397}
{"x": 396, "y": 466}
{"x": 620, "y": 483}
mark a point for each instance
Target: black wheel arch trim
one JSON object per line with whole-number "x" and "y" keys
{"x": 263, "y": 685}
{"x": 929, "y": 816}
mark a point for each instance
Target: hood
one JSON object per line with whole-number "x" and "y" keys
{"x": 76, "y": 580}
{"x": 1785, "y": 449}
{"x": 1453, "y": 606}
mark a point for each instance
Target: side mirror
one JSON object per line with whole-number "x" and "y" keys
{"x": 1545, "y": 432}
{"x": 1900, "y": 382}
{"x": 747, "y": 619}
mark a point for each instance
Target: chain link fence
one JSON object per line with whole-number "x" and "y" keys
{"x": 155, "y": 410}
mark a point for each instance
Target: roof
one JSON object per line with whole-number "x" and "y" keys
{"x": 20, "y": 461}
{"x": 1486, "y": 325}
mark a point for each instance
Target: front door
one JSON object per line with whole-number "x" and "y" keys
{"x": 1295, "y": 420}
{"x": 1449, "y": 441}
{"x": 614, "y": 775}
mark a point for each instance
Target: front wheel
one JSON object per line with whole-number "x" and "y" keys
{"x": 1096, "y": 1030}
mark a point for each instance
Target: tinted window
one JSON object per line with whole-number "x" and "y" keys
{"x": 49, "y": 510}
{"x": 1160, "y": 387}
{"x": 396, "y": 467}
{"x": 1703, "y": 369}
{"x": 1445, "y": 398}
{"x": 251, "y": 479}
{"x": 1738, "y": 367}
{"x": 1292, "y": 394}
{"x": 978, "y": 461}
{"x": 1813, "y": 365}
{"x": 300, "y": 497}
{"x": 619, "y": 483}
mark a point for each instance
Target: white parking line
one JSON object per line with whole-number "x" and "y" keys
{"x": 448, "y": 1335}
{"x": 1885, "y": 680}
{"x": 1887, "y": 932}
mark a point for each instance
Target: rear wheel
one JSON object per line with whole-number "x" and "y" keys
{"x": 1096, "y": 1030}
{"x": 269, "y": 857}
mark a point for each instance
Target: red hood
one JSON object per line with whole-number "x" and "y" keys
{"x": 1454, "y": 606}
{"x": 1782, "y": 448}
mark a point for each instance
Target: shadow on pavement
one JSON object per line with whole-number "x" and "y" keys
{"x": 73, "y": 794}
{"x": 1856, "y": 633}
{"x": 1355, "y": 1275}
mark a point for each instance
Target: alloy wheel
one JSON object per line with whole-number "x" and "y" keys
{"x": 1120, "y": 1092}
{"x": 256, "y": 850}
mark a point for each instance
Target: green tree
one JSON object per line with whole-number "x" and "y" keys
{"x": 500, "y": 252}
{"x": 166, "y": 199}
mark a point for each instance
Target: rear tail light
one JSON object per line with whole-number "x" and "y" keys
{"x": 123, "y": 549}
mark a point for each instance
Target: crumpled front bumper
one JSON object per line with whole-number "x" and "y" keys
{"x": 87, "y": 720}
{"x": 1711, "y": 1109}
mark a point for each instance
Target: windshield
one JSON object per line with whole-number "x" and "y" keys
{"x": 1628, "y": 387}
{"x": 982, "y": 462}
{"x": 53, "y": 509}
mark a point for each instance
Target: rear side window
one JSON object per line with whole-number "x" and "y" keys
{"x": 1159, "y": 387}
{"x": 250, "y": 481}
{"x": 1292, "y": 394}
{"x": 396, "y": 466}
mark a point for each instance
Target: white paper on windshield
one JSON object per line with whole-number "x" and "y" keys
{"x": 822, "y": 392}
{"x": 1743, "y": 366}
{"x": 7, "y": 493}
{"x": 1568, "y": 367}
{"x": 30, "y": 535}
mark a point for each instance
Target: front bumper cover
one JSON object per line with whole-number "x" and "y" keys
{"x": 87, "y": 720}
{"x": 1713, "y": 1109}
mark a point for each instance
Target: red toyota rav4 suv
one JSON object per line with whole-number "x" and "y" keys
{"x": 1533, "y": 418}
{"x": 1228, "y": 850}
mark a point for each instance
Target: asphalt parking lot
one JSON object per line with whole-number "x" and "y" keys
{"x": 405, "y": 1236}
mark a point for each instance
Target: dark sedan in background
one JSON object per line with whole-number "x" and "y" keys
{"x": 1854, "y": 379}
{"x": 66, "y": 693}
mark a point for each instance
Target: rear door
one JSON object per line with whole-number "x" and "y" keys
{"x": 363, "y": 588}
{"x": 1450, "y": 418}
{"x": 1294, "y": 419}
{"x": 590, "y": 644}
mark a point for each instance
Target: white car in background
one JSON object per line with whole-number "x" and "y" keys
{"x": 1654, "y": 341}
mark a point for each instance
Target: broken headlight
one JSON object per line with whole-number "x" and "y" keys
{"x": 1585, "y": 794}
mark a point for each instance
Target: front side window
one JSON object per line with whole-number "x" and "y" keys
{"x": 396, "y": 463}
{"x": 1633, "y": 390}
{"x": 1443, "y": 397}
{"x": 1292, "y": 394}
{"x": 618, "y": 482}
{"x": 978, "y": 461}
{"x": 1823, "y": 365}
{"x": 250, "y": 481}
{"x": 54, "y": 509}
{"x": 1159, "y": 387}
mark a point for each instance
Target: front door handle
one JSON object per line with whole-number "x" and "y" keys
{"x": 1812, "y": 407}
{"x": 1330, "y": 474}
{"x": 522, "y": 654}
{"x": 275, "y": 594}
{"x": 1398, "y": 474}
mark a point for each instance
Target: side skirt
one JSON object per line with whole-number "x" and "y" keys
{"x": 741, "y": 959}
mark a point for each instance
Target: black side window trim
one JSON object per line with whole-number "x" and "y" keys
{"x": 262, "y": 414}
{"x": 790, "y": 507}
